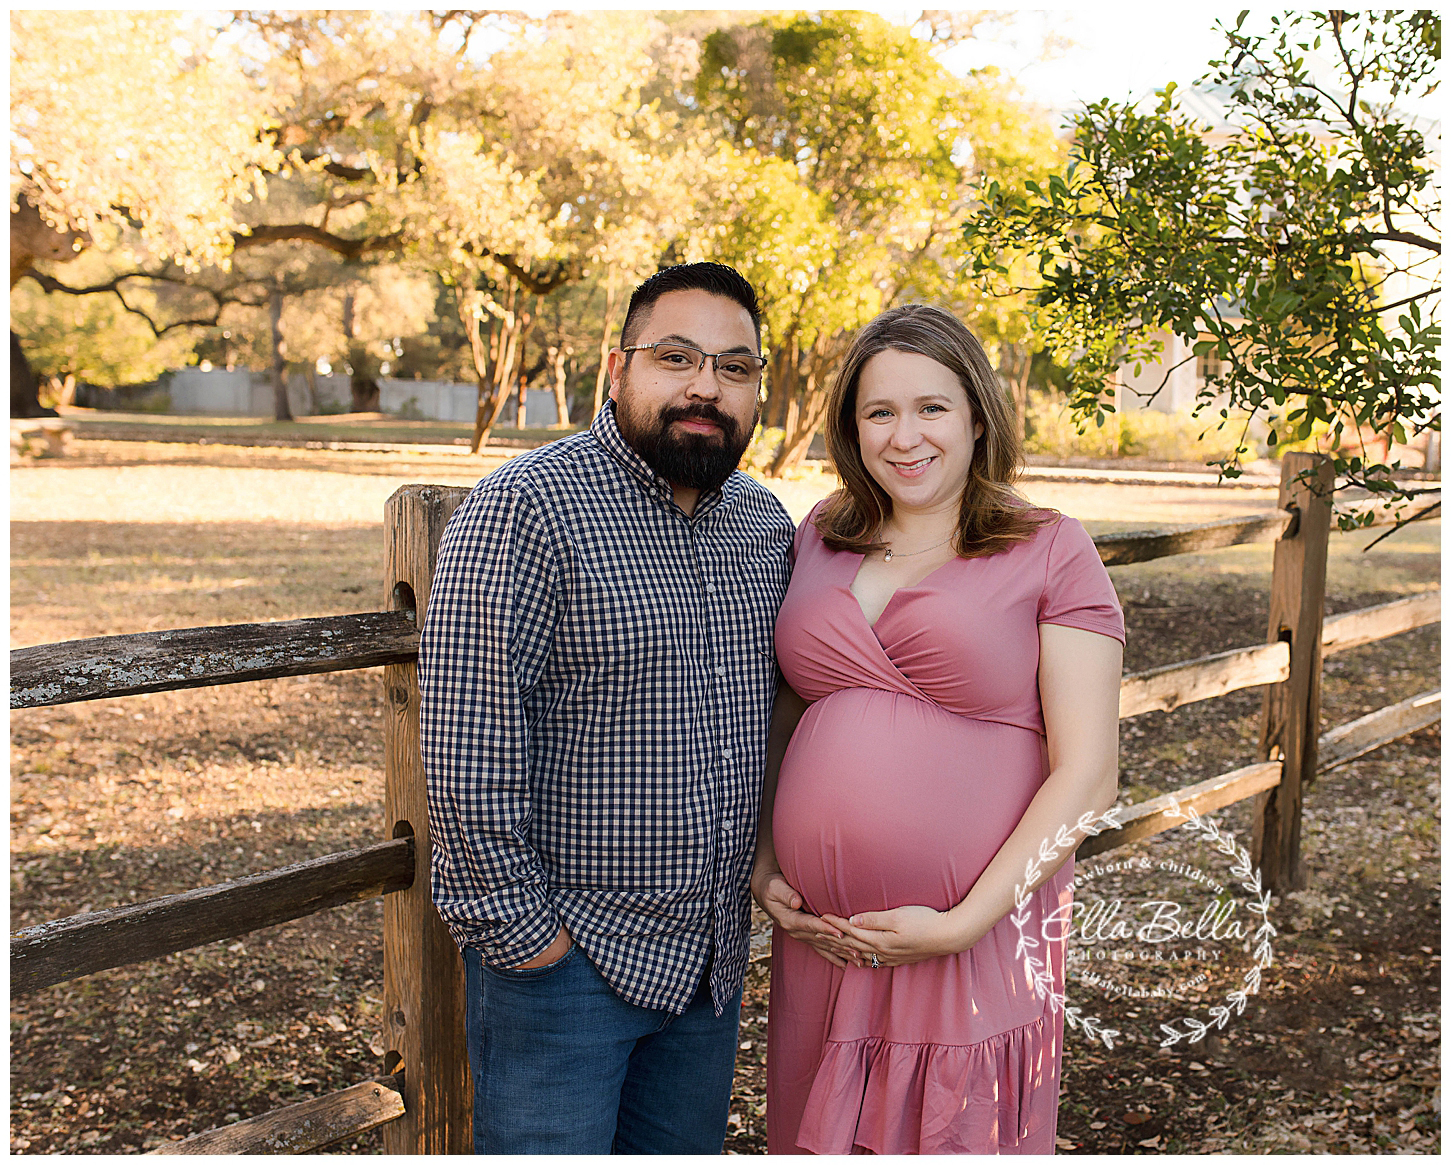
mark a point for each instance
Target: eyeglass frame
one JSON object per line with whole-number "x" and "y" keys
{"x": 713, "y": 357}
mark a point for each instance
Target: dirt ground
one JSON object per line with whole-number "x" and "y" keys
{"x": 122, "y": 800}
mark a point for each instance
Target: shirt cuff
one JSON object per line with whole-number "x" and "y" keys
{"x": 521, "y": 927}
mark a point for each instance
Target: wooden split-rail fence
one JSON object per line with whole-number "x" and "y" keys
{"x": 423, "y": 1100}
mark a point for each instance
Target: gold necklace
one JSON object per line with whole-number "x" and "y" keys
{"x": 891, "y": 554}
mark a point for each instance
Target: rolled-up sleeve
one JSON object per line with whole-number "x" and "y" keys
{"x": 491, "y": 616}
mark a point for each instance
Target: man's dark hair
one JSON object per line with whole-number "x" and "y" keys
{"x": 716, "y": 278}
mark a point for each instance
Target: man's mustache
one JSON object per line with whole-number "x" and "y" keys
{"x": 701, "y": 412}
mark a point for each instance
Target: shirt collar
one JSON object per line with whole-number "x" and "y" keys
{"x": 604, "y": 430}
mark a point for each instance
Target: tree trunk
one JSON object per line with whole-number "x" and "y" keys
{"x": 361, "y": 383}
{"x": 612, "y": 302}
{"x": 806, "y": 390}
{"x": 805, "y": 420}
{"x": 314, "y": 399}
{"x": 282, "y": 411}
{"x": 512, "y": 329}
{"x": 560, "y": 358}
{"x": 24, "y": 390}
{"x": 520, "y": 412}
{"x": 1017, "y": 366}
{"x": 494, "y": 362}
{"x": 32, "y": 239}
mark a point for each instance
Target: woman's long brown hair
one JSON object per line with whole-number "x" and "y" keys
{"x": 992, "y": 515}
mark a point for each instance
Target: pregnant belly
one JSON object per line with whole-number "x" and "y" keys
{"x": 885, "y": 800}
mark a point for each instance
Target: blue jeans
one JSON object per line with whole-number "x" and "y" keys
{"x": 562, "y": 1064}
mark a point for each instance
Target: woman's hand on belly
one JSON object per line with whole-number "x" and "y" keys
{"x": 908, "y": 934}
{"x": 783, "y": 905}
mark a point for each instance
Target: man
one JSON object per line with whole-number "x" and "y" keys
{"x": 597, "y": 675}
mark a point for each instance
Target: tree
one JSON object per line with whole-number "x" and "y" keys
{"x": 1298, "y": 242}
{"x": 127, "y": 119}
{"x": 842, "y": 180}
{"x": 93, "y": 338}
{"x": 557, "y": 169}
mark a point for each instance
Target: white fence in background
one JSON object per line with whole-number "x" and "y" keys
{"x": 245, "y": 393}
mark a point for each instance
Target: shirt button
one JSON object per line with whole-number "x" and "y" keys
{"x": 725, "y": 752}
{"x": 720, "y": 670}
{"x": 710, "y": 588}
{"x": 725, "y": 825}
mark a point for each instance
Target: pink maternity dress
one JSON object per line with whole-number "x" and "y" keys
{"x": 918, "y": 755}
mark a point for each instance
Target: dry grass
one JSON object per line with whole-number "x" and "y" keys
{"x": 120, "y": 800}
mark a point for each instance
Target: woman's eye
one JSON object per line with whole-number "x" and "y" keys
{"x": 878, "y": 414}
{"x": 933, "y": 409}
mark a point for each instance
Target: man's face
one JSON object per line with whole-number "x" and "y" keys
{"x": 690, "y": 428}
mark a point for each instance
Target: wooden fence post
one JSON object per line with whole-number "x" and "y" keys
{"x": 1290, "y": 725}
{"x": 423, "y": 975}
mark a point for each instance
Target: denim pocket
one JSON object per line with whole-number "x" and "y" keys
{"x": 527, "y": 973}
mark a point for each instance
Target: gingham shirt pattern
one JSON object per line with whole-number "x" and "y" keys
{"x": 597, "y": 673}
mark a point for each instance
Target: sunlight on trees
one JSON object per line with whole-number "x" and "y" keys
{"x": 475, "y": 194}
{"x": 1298, "y": 244}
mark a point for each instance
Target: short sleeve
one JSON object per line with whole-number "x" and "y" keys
{"x": 1077, "y": 591}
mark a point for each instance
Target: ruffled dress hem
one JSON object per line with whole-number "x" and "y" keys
{"x": 997, "y": 1096}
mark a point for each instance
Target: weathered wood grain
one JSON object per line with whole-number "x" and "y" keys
{"x": 67, "y": 948}
{"x": 1166, "y": 688}
{"x": 1290, "y": 722}
{"x": 305, "y": 1127}
{"x": 198, "y": 657}
{"x": 1354, "y": 628}
{"x": 423, "y": 975}
{"x": 1342, "y": 745}
{"x": 1157, "y": 815}
{"x": 1142, "y": 546}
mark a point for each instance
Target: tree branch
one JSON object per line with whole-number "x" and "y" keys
{"x": 1413, "y": 239}
{"x": 1402, "y": 523}
{"x": 535, "y": 282}
{"x": 304, "y": 233}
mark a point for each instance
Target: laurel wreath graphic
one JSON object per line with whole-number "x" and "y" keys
{"x": 1193, "y": 1029}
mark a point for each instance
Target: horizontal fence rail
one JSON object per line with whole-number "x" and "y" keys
{"x": 1342, "y": 745}
{"x": 1165, "y": 688}
{"x": 1356, "y": 628}
{"x": 54, "y": 952}
{"x": 1160, "y": 814}
{"x": 197, "y": 657}
{"x": 1146, "y": 545}
{"x": 305, "y": 1127}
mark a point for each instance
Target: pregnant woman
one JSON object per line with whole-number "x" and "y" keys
{"x": 953, "y": 659}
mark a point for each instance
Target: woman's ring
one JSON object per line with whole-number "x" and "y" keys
{"x": 876, "y": 963}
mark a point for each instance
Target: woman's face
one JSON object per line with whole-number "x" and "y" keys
{"x": 916, "y": 430}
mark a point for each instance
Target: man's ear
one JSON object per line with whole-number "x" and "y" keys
{"x": 615, "y": 367}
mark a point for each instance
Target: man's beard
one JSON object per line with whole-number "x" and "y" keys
{"x": 700, "y": 461}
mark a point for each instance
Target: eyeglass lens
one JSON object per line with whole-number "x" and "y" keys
{"x": 731, "y": 367}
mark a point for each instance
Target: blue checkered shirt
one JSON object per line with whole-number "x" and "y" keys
{"x": 597, "y": 674}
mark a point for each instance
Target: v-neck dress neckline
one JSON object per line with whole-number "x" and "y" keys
{"x": 857, "y": 569}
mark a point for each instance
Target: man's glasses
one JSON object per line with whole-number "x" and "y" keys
{"x": 737, "y": 369}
